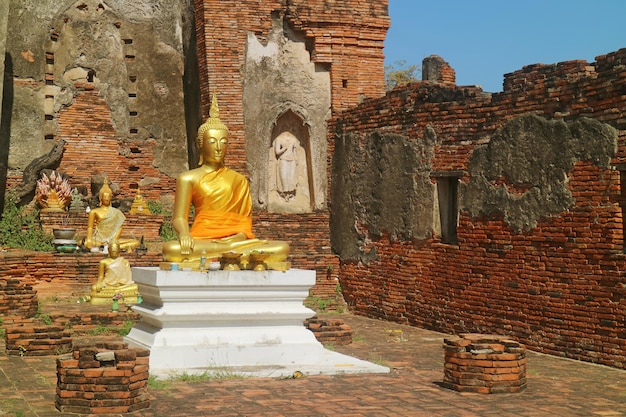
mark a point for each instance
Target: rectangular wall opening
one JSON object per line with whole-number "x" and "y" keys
{"x": 448, "y": 199}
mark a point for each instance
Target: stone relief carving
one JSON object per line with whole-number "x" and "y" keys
{"x": 288, "y": 177}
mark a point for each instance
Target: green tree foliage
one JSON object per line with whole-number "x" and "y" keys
{"x": 399, "y": 73}
{"x": 20, "y": 229}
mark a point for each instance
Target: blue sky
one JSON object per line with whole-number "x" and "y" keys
{"x": 485, "y": 39}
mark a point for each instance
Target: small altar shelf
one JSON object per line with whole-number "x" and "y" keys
{"x": 484, "y": 363}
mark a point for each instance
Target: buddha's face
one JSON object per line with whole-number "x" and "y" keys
{"x": 105, "y": 198}
{"x": 214, "y": 146}
{"x": 114, "y": 250}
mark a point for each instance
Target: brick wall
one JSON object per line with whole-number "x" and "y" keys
{"x": 59, "y": 275}
{"x": 558, "y": 288}
{"x": 347, "y": 36}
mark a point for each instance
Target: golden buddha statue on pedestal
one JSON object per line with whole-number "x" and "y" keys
{"x": 105, "y": 223}
{"x": 114, "y": 277}
{"x": 139, "y": 205}
{"x": 223, "y": 206}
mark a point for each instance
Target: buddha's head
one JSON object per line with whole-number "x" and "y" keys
{"x": 106, "y": 194}
{"x": 114, "y": 248}
{"x": 212, "y": 138}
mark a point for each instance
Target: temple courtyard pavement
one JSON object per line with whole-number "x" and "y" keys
{"x": 556, "y": 387}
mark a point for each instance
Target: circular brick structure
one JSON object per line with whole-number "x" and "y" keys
{"x": 484, "y": 364}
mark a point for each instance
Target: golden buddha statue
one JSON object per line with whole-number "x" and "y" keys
{"x": 139, "y": 205}
{"x": 114, "y": 277}
{"x": 105, "y": 223}
{"x": 222, "y": 202}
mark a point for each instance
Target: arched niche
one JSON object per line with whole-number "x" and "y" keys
{"x": 290, "y": 188}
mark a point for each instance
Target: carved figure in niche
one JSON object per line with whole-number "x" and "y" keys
{"x": 288, "y": 179}
{"x": 114, "y": 276}
{"x": 286, "y": 150}
{"x": 105, "y": 223}
{"x": 222, "y": 202}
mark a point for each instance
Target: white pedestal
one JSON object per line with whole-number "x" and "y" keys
{"x": 232, "y": 322}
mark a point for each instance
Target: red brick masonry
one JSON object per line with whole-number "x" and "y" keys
{"x": 484, "y": 364}
{"x": 102, "y": 375}
{"x": 330, "y": 331}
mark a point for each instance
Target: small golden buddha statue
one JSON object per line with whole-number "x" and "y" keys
{"x": 105, "y": 223}
{"x": 54, "y": 203}
{"x": 222, "y": 202}
{"x": 114, "y": 277}
{"x": 139, "y": 206}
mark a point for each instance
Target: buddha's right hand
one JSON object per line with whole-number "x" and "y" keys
{"x": 186, "y": 244}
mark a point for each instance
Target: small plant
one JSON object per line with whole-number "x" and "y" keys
{"x": 62, "y": 350}
{"x": 22, "y": 350}
{"x": 156, "y": 384}
{"x": 155, "y": 207}
{"x": 100, "y": 330}
{"x": 211, "y": 375}
{"x": 316, "y": 303}
{"x": 21, "y": 229}
{"x": 378, "y": 360}
{"x": 126, "y": 327}
{"x": 47, "y": 320}
{"x": 167, "y": 232}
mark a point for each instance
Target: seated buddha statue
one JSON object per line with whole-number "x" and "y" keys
{"x": 114, "y": 277}
{"x": 222, "y": 201}
{"x": 139, "y": 205}
{"x": 105, "y": 223}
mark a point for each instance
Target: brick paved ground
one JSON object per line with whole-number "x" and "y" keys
{"x": 556, "y": 387}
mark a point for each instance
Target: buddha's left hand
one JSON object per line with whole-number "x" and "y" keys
{"x": 186, "y": 244}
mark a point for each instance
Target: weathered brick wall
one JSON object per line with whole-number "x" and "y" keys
{"x": 344, "y": 37}
{"x": 560, "y": 287}
{"x": 347, "y": 36}
{"x": 60, "y": 275}
{"x": 92, "y": 148}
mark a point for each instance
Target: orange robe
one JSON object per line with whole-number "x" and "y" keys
{"x": 223, "y": 205}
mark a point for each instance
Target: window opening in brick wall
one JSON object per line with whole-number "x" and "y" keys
{"x": 448, "y": 199}
{"x": 344, "y": 83}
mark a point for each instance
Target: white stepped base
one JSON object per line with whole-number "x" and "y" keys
{"x": 232, "y": 322}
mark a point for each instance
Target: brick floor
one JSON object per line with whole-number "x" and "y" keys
{"x": 556, "y": 387}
